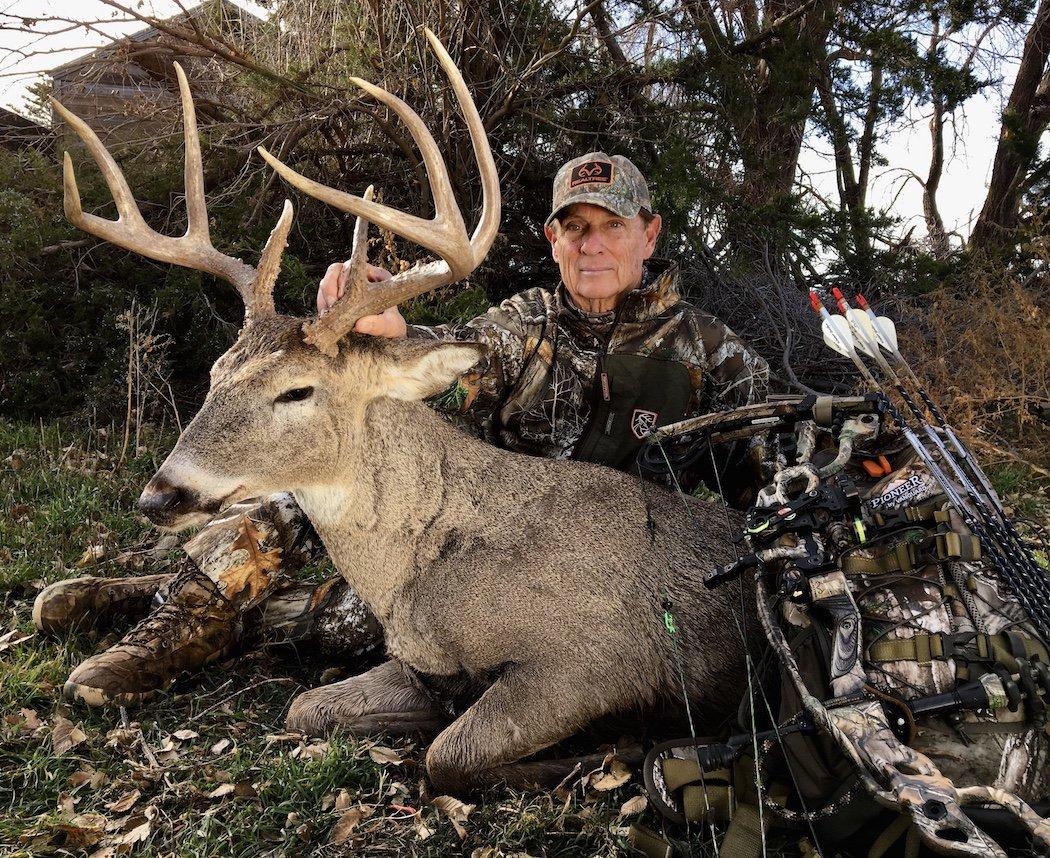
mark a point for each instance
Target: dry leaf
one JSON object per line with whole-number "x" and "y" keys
{"x": 254, "y": 573}
{"x": 104, "y": 852}
{"x": 185, "y": 735}
{"x": 634, "y": 805}
{"x": 617, "y": 775}
{"x": 84, "y": 830}
{"x": 342, "y": 800}
{"x": 65, "y": 803}
{"x": 12, "y": 639}
{"x": 456, "y": 810}
{"x": 29, "y": 716}
{"x": 423, "y": 831}
{"x": 135, "y": 835}
{"x": 125, "y": 802}
{"x": 81, "y": 777}
{"x": 346, "y": 824}
{"x": 222, "y": 790}
{"x": 65, "y": 735}
{"x": 383, "y": 755}
{"x": 221, "y": 746}
{"x": 314, "y": 751}
{"x": 92, "y": 554}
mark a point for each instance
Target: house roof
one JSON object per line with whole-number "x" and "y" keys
{"x": 147, "y": 33}
{"x": 10, "y": 119}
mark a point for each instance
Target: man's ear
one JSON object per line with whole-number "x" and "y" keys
{"x": 551, "y": 231}
{"x": 422, "y": 368}
{"x": 652, "y": 232}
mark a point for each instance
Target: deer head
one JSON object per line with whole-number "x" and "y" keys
{"x": 289, "y": 397}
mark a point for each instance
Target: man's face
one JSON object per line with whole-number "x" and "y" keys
{"x": 600, "y": 254}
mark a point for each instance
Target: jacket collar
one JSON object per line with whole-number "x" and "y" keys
{"x": 658, "y": 290}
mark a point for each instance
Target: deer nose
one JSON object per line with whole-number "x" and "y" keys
{"x": 160, "y": 499}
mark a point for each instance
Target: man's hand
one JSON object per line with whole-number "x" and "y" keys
{"x": 390, "y": 323}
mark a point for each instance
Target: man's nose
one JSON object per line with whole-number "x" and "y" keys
{"x": 592, "y": 243}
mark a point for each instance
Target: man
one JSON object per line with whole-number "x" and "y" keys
{"x": 585, "y": 371}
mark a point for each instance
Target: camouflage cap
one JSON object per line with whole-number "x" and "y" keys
{"x": 609, "y": 181}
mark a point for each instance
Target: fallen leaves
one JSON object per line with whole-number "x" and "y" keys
{"x": 456, "y": 811}
{"x": 92, "y": 554}
{"x": 13, "y": 638}
{"x": 125, "y": 802}
{"x": 83, "y": 831}
{"x": 254, "y": 573}
{"x": 634, "y": 806}
{"x": 346, "y": 823}
{"x": 385, "y": 756}
{"x": 605, "y": 779}
{"x": 65, "y": 735}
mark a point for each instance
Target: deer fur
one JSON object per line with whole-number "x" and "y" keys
{"x": 543, "y": 579}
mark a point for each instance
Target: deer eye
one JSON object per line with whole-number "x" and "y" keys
{"x": 296, "y": 394}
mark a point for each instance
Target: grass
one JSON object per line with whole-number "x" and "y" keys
{"x": 263, "y": 793}
{"x": 214, "y": 773}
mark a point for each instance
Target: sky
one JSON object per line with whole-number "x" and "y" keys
{"x": 970, "y": 150}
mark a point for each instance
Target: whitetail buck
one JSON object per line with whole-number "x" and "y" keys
{"x": 542, "y": 579}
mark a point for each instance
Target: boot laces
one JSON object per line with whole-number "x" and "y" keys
{"x": 168, "y": 624}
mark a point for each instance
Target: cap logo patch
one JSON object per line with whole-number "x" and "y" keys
{"x": 591, "y": 173}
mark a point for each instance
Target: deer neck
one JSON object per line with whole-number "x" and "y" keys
{"x": 394, "y": 487}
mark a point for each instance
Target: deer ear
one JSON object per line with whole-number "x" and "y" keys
{"x": 423, "y": 368}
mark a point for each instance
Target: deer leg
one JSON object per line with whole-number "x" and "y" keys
{"x": 525, "y": 710}
{"x": 385, "y": 699}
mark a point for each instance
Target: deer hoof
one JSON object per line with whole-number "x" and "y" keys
{"x": 381, "y": 700}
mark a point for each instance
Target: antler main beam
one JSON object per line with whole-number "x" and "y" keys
{"x": 191, "y": 250}
{"x": 445, "y": 234}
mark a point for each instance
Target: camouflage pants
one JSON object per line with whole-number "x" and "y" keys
{"x": 256, "y": 553}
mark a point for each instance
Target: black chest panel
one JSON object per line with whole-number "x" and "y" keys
{"x": 633, "y": 396}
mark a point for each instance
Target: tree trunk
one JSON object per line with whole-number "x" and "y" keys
{"x": 934, "y": 224}
{"x": 1024, "y": 120}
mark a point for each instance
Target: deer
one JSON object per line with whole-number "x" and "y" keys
{"x": 541, "y": 582}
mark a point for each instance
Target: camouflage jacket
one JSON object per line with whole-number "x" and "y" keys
{"x": 535, "y": 389}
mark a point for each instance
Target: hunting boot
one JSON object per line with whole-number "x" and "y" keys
{"x": 196, "y": 624}
{"x": 93, "y": 601}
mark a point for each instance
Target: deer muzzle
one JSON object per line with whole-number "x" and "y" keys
{"x": 172, "y": 506}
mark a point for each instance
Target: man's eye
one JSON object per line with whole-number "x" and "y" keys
{"x": 296, "y": 394}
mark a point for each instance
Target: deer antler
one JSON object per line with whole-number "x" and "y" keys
{"x": 192, "y": 250}
{"x": 445, "y": 234}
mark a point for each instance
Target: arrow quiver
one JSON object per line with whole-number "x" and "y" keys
{"x": 895, "y": 643}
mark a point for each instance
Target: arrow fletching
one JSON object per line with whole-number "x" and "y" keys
{"x": 837, "y": 335}
{"x": 884, "y": 327}
{"x": 864, "y": 337}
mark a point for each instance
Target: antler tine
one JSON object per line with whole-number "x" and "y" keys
{"x": 445, "y": 234}
{"x": 270, "y": 266}
{"x": 191, "y": 250}
{"x": 340, "y": 318}
{"x": 193, "y": 171}
{"x": 488, "y": 225}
